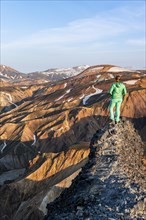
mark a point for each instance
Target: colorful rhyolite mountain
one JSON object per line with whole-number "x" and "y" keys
{"x": 46, "y": 129}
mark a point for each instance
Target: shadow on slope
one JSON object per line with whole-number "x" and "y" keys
{"x": 39, "y": 178}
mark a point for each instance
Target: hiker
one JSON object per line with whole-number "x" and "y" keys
{"x": 117, "y": 91}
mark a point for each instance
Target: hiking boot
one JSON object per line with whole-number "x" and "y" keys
{"x": 111, "y": 122}
{"x": 117, "y": 122}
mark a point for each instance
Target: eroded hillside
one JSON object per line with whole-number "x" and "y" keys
{"x": 46, "y": 131}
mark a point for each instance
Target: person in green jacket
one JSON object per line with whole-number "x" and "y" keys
{"x": 117, "y": 91}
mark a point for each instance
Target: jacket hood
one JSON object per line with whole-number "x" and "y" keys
{"x": 118, "y": 84}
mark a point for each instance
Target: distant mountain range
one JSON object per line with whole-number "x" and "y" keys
{"x": 7, "y": 73}
{"x": 55, "y": 74}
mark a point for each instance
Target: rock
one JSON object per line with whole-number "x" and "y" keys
{"x": 80, "y": 208}
{"x": 117, "y": 180}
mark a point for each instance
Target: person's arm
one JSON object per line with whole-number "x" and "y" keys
{"x": 111, "y": 89}
{"x": 124, "y": 91}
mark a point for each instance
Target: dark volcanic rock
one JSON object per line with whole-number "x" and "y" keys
{"x": 111, "y": 185}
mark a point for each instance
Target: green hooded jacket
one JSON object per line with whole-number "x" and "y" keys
{"x": 117, "y": 90}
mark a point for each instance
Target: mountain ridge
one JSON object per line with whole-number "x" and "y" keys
{"x": 53, "y": 74}
{"x": 102, "y": 189}
{"x": 47, "y": 127}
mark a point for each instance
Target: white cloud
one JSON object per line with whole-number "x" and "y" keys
{"x": 82, "y": 31}
{"x": 137, "y": 42}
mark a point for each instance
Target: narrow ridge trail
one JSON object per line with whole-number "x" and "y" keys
{"x": 111, "y": 185}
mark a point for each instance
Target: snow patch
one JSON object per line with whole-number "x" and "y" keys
{"x": 68, "y": 91}
{"x": 70, "y": 99}
{"x": 111, "y": 75}
{"x": 34, "y": 140}
{"x": 3, "y": 146}
{"x": 15, "y": 104}
{"x": 82, "y": 96}
{"x": 83, "y": 67}
{"x": 45, "y": 73}
{"x": 52, "y": 194}
{"x": 65, "y": 85}
{"x": 98, "y": 76}
{"x": 118, "y": 69}
{"x": 97, "y": 91}
{"x": 68, "y": 72}
{"x": 8, "y": 95}
{"x": 6, "y": 75}
{"x": 98, "y": 68}
{"x": 3, "y": 80}
{"x": 60, "y": 97}
{"x": 131, "y": 82}
{"x": 10, "y": 98}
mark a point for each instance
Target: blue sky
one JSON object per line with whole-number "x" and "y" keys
{"x": 38, "y": 35}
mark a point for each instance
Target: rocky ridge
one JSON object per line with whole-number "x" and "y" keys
{"x": 112, "y": 184}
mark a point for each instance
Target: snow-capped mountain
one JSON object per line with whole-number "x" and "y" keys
{"x": 8, "y": 73}
{"x": 57, "y": 73}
